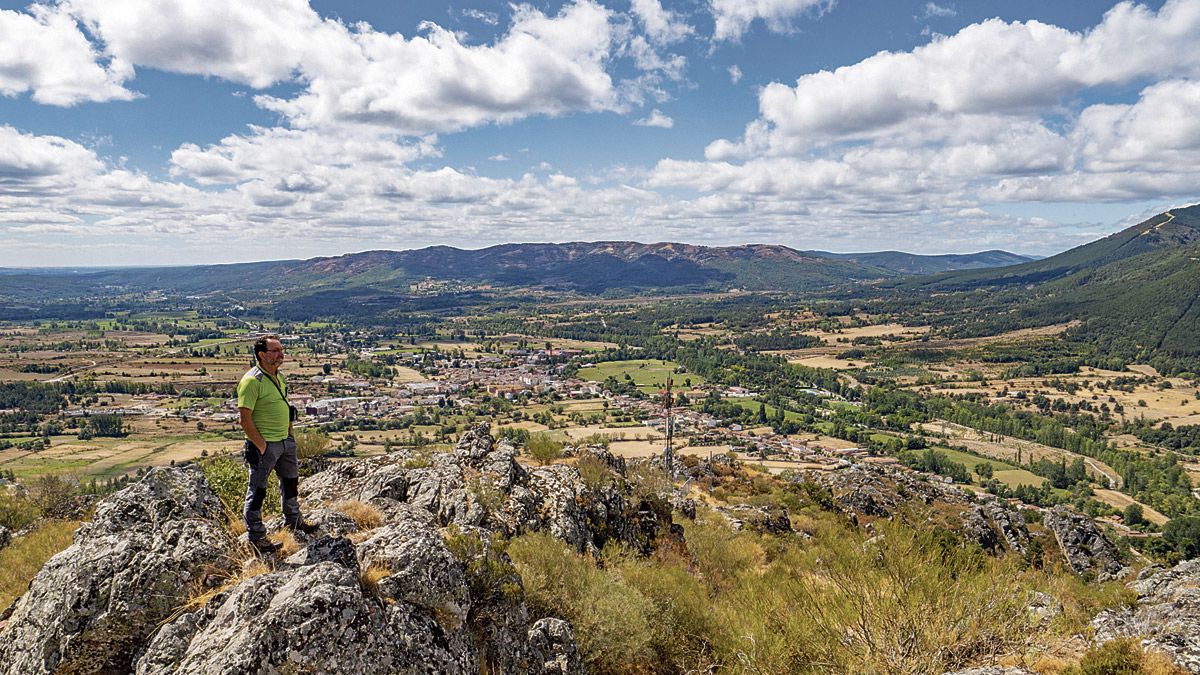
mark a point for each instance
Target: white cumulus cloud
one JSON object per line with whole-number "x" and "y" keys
{"x": 661, "y": 25}
{"x": 434, "y": 82}
{"x": 933, "y": 9}
{"x": 986, "y": 67}
{"x": 254, "y": 43}
{"x": 45, "y": 53}
{"x": 732, "y": 18}
{"x": 656, "y": 119}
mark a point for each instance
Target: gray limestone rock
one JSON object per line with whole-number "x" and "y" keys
{"x": 1042, "y": 608}
{"x": 976, "y": 528}
{"x": 1083, "y": 544}
{"x": 419, "y": 569}
{"x": 92, "y": 605}
{"x": 327, "y": 549}
{"x": 1010, "y": 525}
{"x": 315, "y": 618}
{"x": 553, "y": 645}
{"x": 1166, "y": 617}
{"x": 480, "y": 484}
{"x": 362, "y": 479}
{"x": 330, "y": 522}
{"x": 5, "y": 536}
{"x": 773, "y": 520}
{"x": 995, "y": 528}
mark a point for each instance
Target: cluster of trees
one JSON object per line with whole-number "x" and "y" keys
{"x": 34, "y": 397}
{"x": 1183, "y": 438}
{"x": 1060, "y": 474}
{"x": 774, "y": 340}
{"x": 367, "y": 368}
{"x": 935, "y": 461}
{"x": 101, "y": 425}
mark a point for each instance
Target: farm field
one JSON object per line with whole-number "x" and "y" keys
{"x": 1008, "y": 474}
{"x": 110, "y": 457}
{"x": 846, "y": 335}
{"x": 1006, "y": 448}
{"x": 649, "y": 375}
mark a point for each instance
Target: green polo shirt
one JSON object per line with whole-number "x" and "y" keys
{"x": 256, "y": 392}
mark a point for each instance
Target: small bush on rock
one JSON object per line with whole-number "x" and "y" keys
{"x": 543, "y": 448}
{"x": 17, "y": 511}
{"x": 230, "y": 478}
{"x": 21, "y": 560}
{"x": 1123, "y": 657}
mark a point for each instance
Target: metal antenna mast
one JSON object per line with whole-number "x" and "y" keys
{"x": 669, "y": 422}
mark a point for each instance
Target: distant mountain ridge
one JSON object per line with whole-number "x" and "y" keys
{"x": 911, "y": 263}
{"x": 588, "y": 267}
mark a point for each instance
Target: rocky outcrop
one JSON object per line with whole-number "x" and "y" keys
{"x": 398, "y": 602}
{"x": 869, "y": 490}
{"x": 156, "y": 585}
{"x": 481, "y": 484}
{"x": 93, "y": 605}
{"x": 994, "y": 527}
{"x": 770, "y": 520}
{"x": 1083, "y": 544}
{"x": 1166, "y": 616}
{"x": 5, "y": 536}
{"x": 553, "y": 640}
{"x": 1009, "y": 524}
{"x": 316, "y": 617}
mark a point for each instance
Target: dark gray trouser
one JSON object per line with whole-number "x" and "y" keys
{"x": 280, "y": 457}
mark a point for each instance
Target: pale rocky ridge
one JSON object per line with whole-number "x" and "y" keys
{"x": 1166, "y": 617}
{"x": 118, "y": 599}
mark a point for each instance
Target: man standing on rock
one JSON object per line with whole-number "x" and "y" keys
{"x": 266, "y": 417}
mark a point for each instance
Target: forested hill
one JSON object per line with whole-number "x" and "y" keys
{"x": 1134, "y": 291}
{"x": 909, "y": 263}
{"x": 588, "y": 267}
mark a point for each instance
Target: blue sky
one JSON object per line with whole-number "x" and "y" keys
{"x": 179, "y": 131}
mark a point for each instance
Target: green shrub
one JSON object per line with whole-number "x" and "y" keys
{"x": 905, "y": 599}
{"x": 594, "y": 473}
{"x": 1116, "y": 657}
{"x": 54, "y": 494}
{"x": 491, "y": 577}
{"x": 720, "y": 555}
{"x": 611, "y": 619}
{"x": 543, "y": 448}
{"x": 17, "y": 511}
{"x": 311, "y": 443}
{"x": 420, "y": 458}
{"x": 230, "y": 477}
{"x": 681, "y": 610}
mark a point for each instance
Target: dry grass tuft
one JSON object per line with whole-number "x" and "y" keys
{"x": 234, "y": 523}
{"x": 371, "y": 575}
{"x": 1049, "y": 664}
{"x": 287, "y": 542}
{"x": 21, "y": 560}
{"x": 251, "y": 566}
{"x": 365, "y": 516}
{"x": 1158, "y": 663}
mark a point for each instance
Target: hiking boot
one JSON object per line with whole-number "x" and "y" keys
{"x": 265, "y": 546}
{"x": 303, "y": 526}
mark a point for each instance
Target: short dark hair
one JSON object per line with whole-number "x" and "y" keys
{"x": 260, "y": 345}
